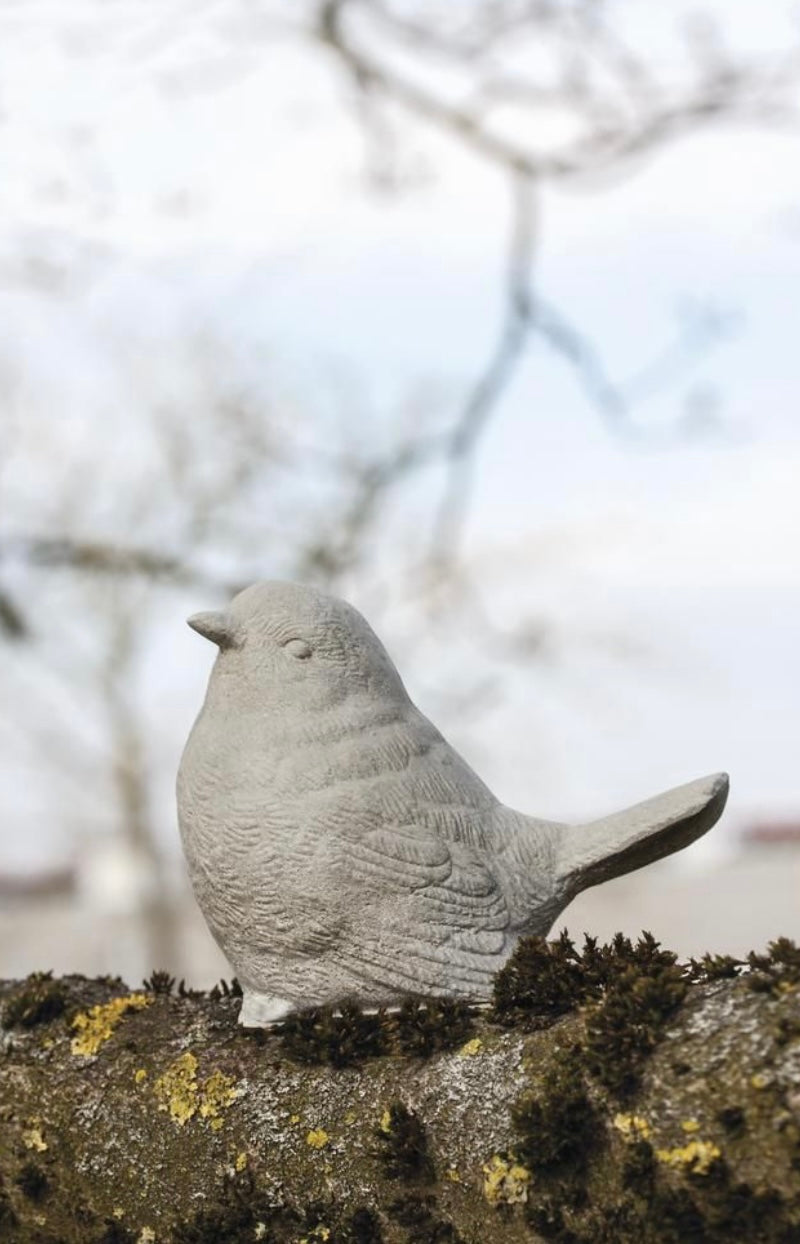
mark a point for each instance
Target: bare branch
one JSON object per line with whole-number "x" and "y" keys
{"x": 623, "y": 114}
{"x": 494, "y": 380}
{"x": 12, "y": 622}
{"x": 733, "y": 91}
{"x": 106, "y": 558}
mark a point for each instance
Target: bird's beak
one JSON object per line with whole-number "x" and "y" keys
{"x": 220, "y": 628}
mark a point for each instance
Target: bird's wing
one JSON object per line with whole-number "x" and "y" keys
{"x": 428, "y": 915}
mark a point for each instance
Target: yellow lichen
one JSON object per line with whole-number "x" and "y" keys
{"x": 140, "y": 1075}
{"x": 241, "y": 1161}
{"x": 471, "y": 1048}
{"x": 95, "y": 1026}
{"x": 386, "y": 1122}
{"x": 759, "y": 1081}
{"x": 505, "y": 1181}
{"x": 350, "y": 1117}
{"x": 178, "y": 1092}
{"x": 319, "y": 1233}
{"x": 317, "y": 1138}
{"x": 632, "y": 1126}
{"x": 32, "y": 1137}
{"x": 118, "y": 1212}
{"x": 217, "y": 1092}
{"x": 294, "y": 1118}
{"x": 690, "y": 1125}
{"x": 452, "y": 1174}
{"x": 146, "y": 1236}
{"x": 698, "y": 1155}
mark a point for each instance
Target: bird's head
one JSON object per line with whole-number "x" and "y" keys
{"x": 287, "y": 645}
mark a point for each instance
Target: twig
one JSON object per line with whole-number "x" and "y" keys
{"x": 498, "y": 373}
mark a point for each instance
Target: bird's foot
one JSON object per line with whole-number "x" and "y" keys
{"x": 262, "y": 1010}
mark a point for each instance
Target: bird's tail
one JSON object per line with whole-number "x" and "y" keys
{"x": 600, "y": 850}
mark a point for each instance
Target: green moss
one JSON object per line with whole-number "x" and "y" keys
{"x": 787, "y": 1029}
{"x": 402, "y": 1146}
{"x": 541, "y": 980}
{"x": 639, "y": 1168}
{"x": 8, "y": 1218}
{"x": 345, "y": 1035}
{"x": 588, "y": 1184}
{"x": 225, "y": 990}
{"x": 114, "y": 1232}
{"x": 544, "y": 980}
{"x": 676, "y": 1218}
{"x": 737, "y": 1211}
{"x": 159, "y": 982}
{"x": 239, "y": 1214}
{"x": 776, "y": 972}
{"x": 362, "y": 1228}
{"x": 426, "y": 1026}
{"x": 39, "y": 1000}
{"x": 32, "y": 1182}
{"x": 232, "y": 1216}
{"x": 715, "y": 968}
{"x": 185, "y": 992}
{"x": 340, "y": 1037}
{"x": 417, "y": 1215}
{"x": 557, "y": 1124}
{"x": 623, "y": 1029}
{"x": 547, "y": 1219}
{"x": 634, "y": 988}
{"x": 603, "y": 964}
{"x": 732, "y": 1119}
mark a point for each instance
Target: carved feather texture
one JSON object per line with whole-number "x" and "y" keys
{"x": 338, "y": 846}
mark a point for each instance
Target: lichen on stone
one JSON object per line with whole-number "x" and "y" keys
{"x": 505, "y": 1181}
{"x": 32, "y": 1137}
{"x": 182, "y": 1096}
{"x": 216, "y": 1093}
{"x": 698, "y": 1156}
{"x": 176, "y": 1089}
{"x": 95, "y": 1026}
{"x": 320, "y": 1232}
{"x": 632, "y": 1126}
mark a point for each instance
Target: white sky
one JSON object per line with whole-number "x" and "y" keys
{"x": 223, "y": 190}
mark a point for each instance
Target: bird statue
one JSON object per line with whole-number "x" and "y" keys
{"x": 339, "y": 847}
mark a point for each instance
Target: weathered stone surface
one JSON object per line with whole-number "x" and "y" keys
{"x": 148, "y": 1116}
{"x": 340, "y": 847}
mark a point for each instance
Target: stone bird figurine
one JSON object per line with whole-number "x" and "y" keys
{"x": 338, "y": 845}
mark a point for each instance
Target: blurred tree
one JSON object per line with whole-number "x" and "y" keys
{"x": 542, "y": 92}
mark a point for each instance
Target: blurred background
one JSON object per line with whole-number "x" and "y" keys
{"x": 482, "y": 314}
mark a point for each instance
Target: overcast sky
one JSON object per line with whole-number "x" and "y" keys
{"x": 223, "y": 191}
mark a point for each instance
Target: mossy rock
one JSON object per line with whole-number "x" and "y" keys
{"x": 150, "y": 1115}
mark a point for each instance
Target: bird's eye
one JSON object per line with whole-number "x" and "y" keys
{"x": 297, "y": 648}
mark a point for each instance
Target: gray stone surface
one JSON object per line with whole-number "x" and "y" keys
{"x": 337, "y": 844}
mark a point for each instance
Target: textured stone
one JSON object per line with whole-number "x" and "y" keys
{"x": 340, "y": 847}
